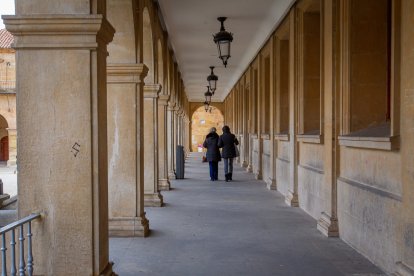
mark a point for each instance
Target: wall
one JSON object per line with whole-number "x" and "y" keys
{"x": 353, "y": 177}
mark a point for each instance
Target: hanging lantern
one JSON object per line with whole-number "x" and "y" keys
{"x": 223, "y": 40}
{"x": 206, "y": 106}
{"x": 208, "y": 95}
{"x": 212, "y": 80}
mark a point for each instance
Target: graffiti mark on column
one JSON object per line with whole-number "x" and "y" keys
{"x": 75, "y": 149}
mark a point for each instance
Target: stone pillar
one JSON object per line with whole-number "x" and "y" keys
{"x": 405, "y": 265}
{"x": 170, "y": 139}
{"x": 250, "y": 149}
{"x": 292, "y": 196}
{"x": 152, "y": 196}
{"x": 328, "y": 221}
{"x": 126, "y": 167}
{"x": 175, "y": 136}
{"x": 12, "y": 133}
{"x": 62, "y": 118}
{"x": 163, "y": 181}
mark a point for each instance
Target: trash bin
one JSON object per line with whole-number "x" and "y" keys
{"x": 179, "y": 171}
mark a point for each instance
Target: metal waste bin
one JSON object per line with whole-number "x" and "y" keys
{"x": 179, "y": 170}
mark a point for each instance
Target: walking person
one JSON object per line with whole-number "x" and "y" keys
{"x": 213, "y": 153}
{"x": 228, "y": 142}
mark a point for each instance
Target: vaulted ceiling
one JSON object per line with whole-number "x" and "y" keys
{"x": 191, "y": 24}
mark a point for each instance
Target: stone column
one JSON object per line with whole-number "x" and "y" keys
{"x": 163, "y": 181}
{"x": 125, "y": 141}
{"x": 292, "y": 196}
{"x": 405, "y": 265}
{"x": 170, "y": 140}
{"x": 12, "y": 133}
{"x": 152, "y": 196}
{"x": 328, "y": 221}
{"x": 62, "y": 117}
{"x": 176, "y": 133}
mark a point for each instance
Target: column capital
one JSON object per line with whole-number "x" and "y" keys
{"x": 126, "y": 73}
{"x": 59, "y": 31}
{"x": 163, "y": 99}
{"x": 171, "y": 106}
{"x": 151, "y": 90}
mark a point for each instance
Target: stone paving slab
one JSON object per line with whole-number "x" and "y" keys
{"x": 234, "y": 228}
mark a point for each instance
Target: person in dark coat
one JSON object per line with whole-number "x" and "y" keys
{"x": 213, "y": 153}
{"x": 228, "y": 142}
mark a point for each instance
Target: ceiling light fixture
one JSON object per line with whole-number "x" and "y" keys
{"x": 208, "y": 95}
{"x": 223, "y": 40}
{"x": 212, "y": 80}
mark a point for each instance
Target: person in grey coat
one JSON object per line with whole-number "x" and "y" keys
{"x": 213, "y": 153}
{"x": 228, "y": 142}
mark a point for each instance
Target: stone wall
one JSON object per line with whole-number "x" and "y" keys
{"x": 341, "y": 110}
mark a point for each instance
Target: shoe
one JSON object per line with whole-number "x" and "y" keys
{"x": 231, "y": 176}
{"x": 227, "y": 177}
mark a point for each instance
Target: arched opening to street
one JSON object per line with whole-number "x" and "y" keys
{"x": 201, "y": 123}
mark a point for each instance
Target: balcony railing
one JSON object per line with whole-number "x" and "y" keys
{"x": 11, "y": 228}
{"x": 7, "y": 85}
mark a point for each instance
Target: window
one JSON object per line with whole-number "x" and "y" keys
{"x": 369, "y": 76}
{"x": 309, "y": 87}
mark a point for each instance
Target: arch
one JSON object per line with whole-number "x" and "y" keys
{"x": 196, "y": 105}
{"x": 4, "y": 139}
{"x": 201, "y": 123}
{"x": 148, "y": 45}
{"x": 123, "y": 48}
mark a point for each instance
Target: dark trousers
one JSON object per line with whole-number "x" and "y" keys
{"x": 213, "y": 170}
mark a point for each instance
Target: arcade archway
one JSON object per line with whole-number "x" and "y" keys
{"x": 201, "y": 123}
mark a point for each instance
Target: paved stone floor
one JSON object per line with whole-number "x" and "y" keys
{"x": 235, "y": 228}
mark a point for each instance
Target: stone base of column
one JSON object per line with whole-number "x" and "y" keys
{"x": 292, "y": 199}
{"x": 164, "y": 185}
{"x": 271, "y": 184}
{"x": 171, "y": 175}
{"x": 244, "y": 164}
{"x": 108, "y": 270}
{"x": 258, "y": 175}
{"x": 403, "y": 270}
{"x": 129, "y": 227}
{"x": 328, "y": 225}
{"x": 153, "y": 200}
{"x": 249, "y": 168}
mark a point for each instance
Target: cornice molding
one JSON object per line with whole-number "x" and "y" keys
{"x": 59, "y": 31}
{"x": 126, "y": 73}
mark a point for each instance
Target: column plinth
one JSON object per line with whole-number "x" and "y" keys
{"x": 328, "y": 225}
{"x": 271, "y": 184}
{"x": 292, "y": 199}
{"x": 129, "y": 226}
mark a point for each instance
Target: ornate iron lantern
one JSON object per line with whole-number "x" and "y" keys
{"x": 223, "y": 40}
{"x": 206, "y": 106}
{"x": 208, "y": 95}
{"x": 212, "y": 80}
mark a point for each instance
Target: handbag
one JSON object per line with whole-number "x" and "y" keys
{"x": 237, "y": 151}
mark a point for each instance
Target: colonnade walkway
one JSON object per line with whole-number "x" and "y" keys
{"x": 234, "y": 228}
